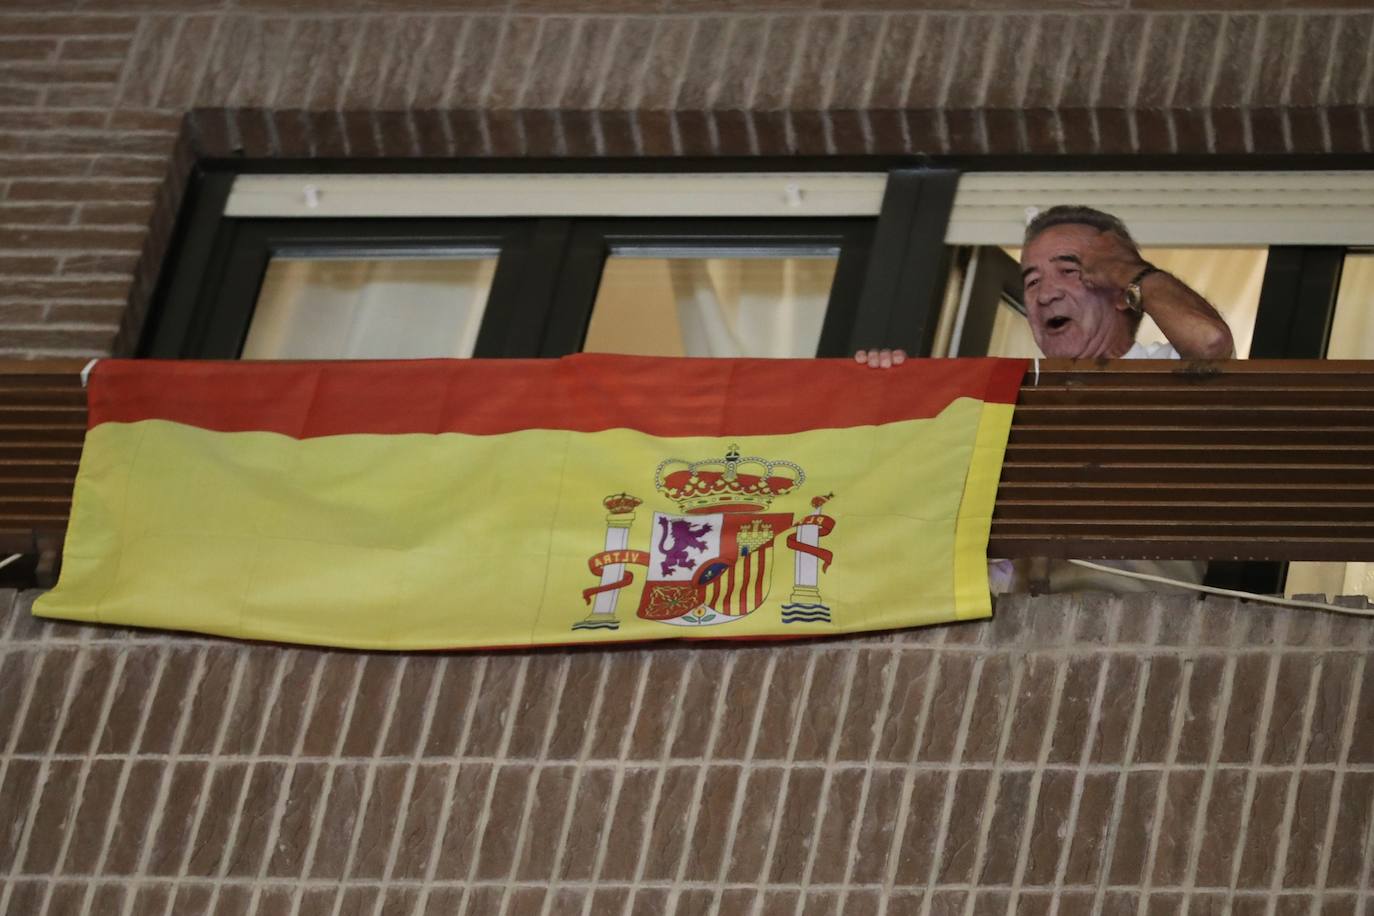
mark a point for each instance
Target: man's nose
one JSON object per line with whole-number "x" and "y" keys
{"x": 1046, "y": 292}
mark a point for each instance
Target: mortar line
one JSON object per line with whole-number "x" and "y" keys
{"x": 618, "y": 780}
{"x": 699, "y": 784}
{"x": 975, "y": 683}
{"x": 484, "y": 819}
{"x": 1075, "y": 805}
{"x": 118, "y": 796}
{"x": 159, "y": 811}
{"x": 370, "y": 766}
{"x": 1213, "y": 761}
{"x": 1338, "y": 781}
{"x": 827, "y": 778}
{"x": 206, "y": 780}
{"x": 808, "y": 679}
{"x": 408, "y": 789}
{"x": 1177, "y": 716}
{"x": 1290, "y": 802}
{"x": 999, "y": 756}
{"x": 660, "y": 775}
{"x": 531, "y": 787}
{"x": 102, "y": 722}
{"x": 908, "y": 778}
{"x": 1261, "y": 738}
{"x": 1127, "y": 755}
{"x": 742, "y": 783}
{"x": 889, "y": 684}
{"x": 451, "y": 781}
{"x": 317, "y": 822}
{"x": 1037, "y": 777}
{"x": 74, "y": 674}
{"x": 579, "y": 768}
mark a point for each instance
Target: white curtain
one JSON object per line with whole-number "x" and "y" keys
{"x": 768, "y": 307}
{"x": 369, "y": 309}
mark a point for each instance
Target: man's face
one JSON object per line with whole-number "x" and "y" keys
{"x": 1068, "y": 318}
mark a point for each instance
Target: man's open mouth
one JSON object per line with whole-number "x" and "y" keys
{"x": 1057, "y": 322}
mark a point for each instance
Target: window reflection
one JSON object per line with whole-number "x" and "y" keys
{"x": 761, "y": 306}
{"x": 370, "y": 308}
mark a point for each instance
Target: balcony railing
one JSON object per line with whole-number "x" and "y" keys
{"x": 1246, "y": 460}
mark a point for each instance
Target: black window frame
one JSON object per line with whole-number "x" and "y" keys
{"x": 549, "y": 267}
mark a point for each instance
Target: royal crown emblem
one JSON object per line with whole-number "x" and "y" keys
{"x": 712, "y": 561}
{"x": 729, "y": 484}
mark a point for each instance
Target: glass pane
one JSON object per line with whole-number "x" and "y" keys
{"x": 771, "y": 306}
{"x": 1229, "y": 278}
{"x": 1352, "y": 337}
{"x": 370, "y": 308}
{"x": 1352, "y": 326}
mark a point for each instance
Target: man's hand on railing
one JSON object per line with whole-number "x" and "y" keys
{"x": 880, "y": 359}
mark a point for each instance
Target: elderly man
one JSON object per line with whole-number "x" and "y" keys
{"x": 1087, "y": 288}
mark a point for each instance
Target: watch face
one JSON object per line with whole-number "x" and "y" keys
{"x": 1133, "y": 295}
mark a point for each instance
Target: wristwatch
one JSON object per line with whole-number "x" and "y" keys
{"x": 1133, "y": 288}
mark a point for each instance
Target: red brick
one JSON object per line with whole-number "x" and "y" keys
{"x": 1174, "y": 832}
{"x": 81, "y": 727}
{"x": 497, "y": 850}
{"x": 1157, "y": 715}
{"x": 341, "y": 820}
{"x": 1088, "y": 841}
{"x": 1262, "y": 833}
{"x": 1307, "y": 832}
{"x": 786, "y": 691}
{"x": 459, "y": 844}
{"x": 372, "y": 699}
{"x": 379, "y": 821}
{"x": 47, "y": 699}
{"x": 1286, "y": 735}
{"x": 184, "y": 791}
{"x": 165, "y": 710}
{"x": 1221, "y": 828}
{"x": 496, "y": 700}
{"x": 1248, "y": 689}
{"x": 94, "y": 49}
{"x": 589, "y": 822}
{"x": 56, "y": 797}
{"x": 1031, "y": 714}
{"x": 265, "y": 784}
{"x": 132, "y": 817}
{"x": 667, "y": 826}
{"x": 1131, "y": 846}
{"x": 989, "y": 710}
{"x": 760, "y": 795}
{"x": 303, "y": 797}
{"x": 953, "y": 685}
{"x": 94, "y": 809}
{"x": 1335, "y": 692}
{"x": 542, "y": 833}
{"x": 1010, "y": 807}
{"x": 421, "y": 821}
{"x": 897, "y": 736}
{"x": 1200, "y": 710}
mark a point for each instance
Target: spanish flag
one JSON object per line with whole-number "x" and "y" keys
{"x": 440, "y": 504}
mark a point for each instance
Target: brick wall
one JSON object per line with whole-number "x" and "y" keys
{"x": 1076, "y": 755}
{"x": 94, "y": 145}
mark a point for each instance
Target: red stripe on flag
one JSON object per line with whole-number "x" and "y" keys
{"x": 744, "y": 605}
{"x": 763, "y": 571}
{"x": 583, "y": 393}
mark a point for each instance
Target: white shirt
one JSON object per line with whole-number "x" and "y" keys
{"x": 1161, "y": 350}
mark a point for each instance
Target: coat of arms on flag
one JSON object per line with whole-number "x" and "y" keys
{"x": 713, "y": 561}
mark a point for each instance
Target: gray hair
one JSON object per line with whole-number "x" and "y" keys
{"x": 1077, "y": 215}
